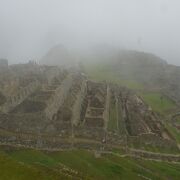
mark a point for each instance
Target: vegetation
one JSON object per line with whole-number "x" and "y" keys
{"x": 74, "y": 164}
{"x": 158, "y": 102}
{"x": 31, "y": 164}
{"x": 174, "y": 132}
{"x": 104, "y": 72}
{"x": 11, "y": 169}
{"x": 178, "y": 119}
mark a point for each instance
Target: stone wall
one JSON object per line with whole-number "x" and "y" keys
{"x": 50, "y": 73}
{"x": 152, "y": 140}
{"x": 77, "y": 107}
{"x": 19, "y": 97}
{"x": 96, "y": 102}
{"x": 57, "y": 100}
{"x": 93, "y": 133}
{"x": 107, "y": 108}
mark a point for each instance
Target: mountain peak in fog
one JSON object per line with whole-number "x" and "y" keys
{"x": 57, "y": 55}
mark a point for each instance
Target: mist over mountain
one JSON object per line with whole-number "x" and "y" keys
{"x": 30, "y": 28}
{"x": 57, "y": 55}
{"x": 146, "y": 68}
{"x": 89, "y": 89}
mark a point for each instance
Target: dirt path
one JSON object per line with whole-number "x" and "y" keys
{"x": 130, "y": 152}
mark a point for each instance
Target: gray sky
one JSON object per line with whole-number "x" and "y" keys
{"x": 28, "y": 28}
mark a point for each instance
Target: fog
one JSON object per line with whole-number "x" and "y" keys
{"x": 29, "y": 28}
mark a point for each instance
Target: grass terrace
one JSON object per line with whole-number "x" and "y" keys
{"x": 32, "y": 164}
{"x": 158, "y": 102}
{"x": 103, "y": 72}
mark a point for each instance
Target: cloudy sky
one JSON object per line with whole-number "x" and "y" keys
{"x": 28, "y": 28}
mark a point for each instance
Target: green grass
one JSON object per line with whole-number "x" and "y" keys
{"x": 31, "y": 164}
{"x": 162, "y": 169}
{"x": 142, "y": 168}
{"x": 174, "y": 132}
{"x": 105, "y": 72}
{"x": 158, "y": 102}
{"x": 99, "y": 72}
{"x": 11, "y": 169}
{"x": 31, "y": 156}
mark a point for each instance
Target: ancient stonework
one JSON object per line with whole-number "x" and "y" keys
{"x": 48, "y": 107}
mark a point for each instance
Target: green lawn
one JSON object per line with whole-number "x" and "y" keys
{"x": 158, "y": 102}
{"x": 106, "y": 73}
{"x": 31, "y": 156}
{"x": 13, "y": 169}
{"x": 31, "y": 164}
{"x": 168, "y": 170}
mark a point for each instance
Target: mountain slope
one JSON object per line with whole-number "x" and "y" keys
{"x": 58, "y": 55}
{"x": 81, "y": 164}
{"x": 132, "y": 67}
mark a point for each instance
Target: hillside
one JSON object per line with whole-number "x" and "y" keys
{"x": 58, "y": 55}
{"x": 80, "y": 164}
{"x": 116, "y": 65}
{"x": 104, "y": 119}
{"x": 136, "y": 69}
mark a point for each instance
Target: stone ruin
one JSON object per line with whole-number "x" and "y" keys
{"x": 51, "y": 108}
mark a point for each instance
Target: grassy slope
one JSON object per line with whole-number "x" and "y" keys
{"x": 174, "y": 132}
{"x": 158, "y": 102}
{"x": 31, "y": 164}
{"x": 11, "y": 169}
{"x": 84, "y": 162}
{"x": 105, "y": 73}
